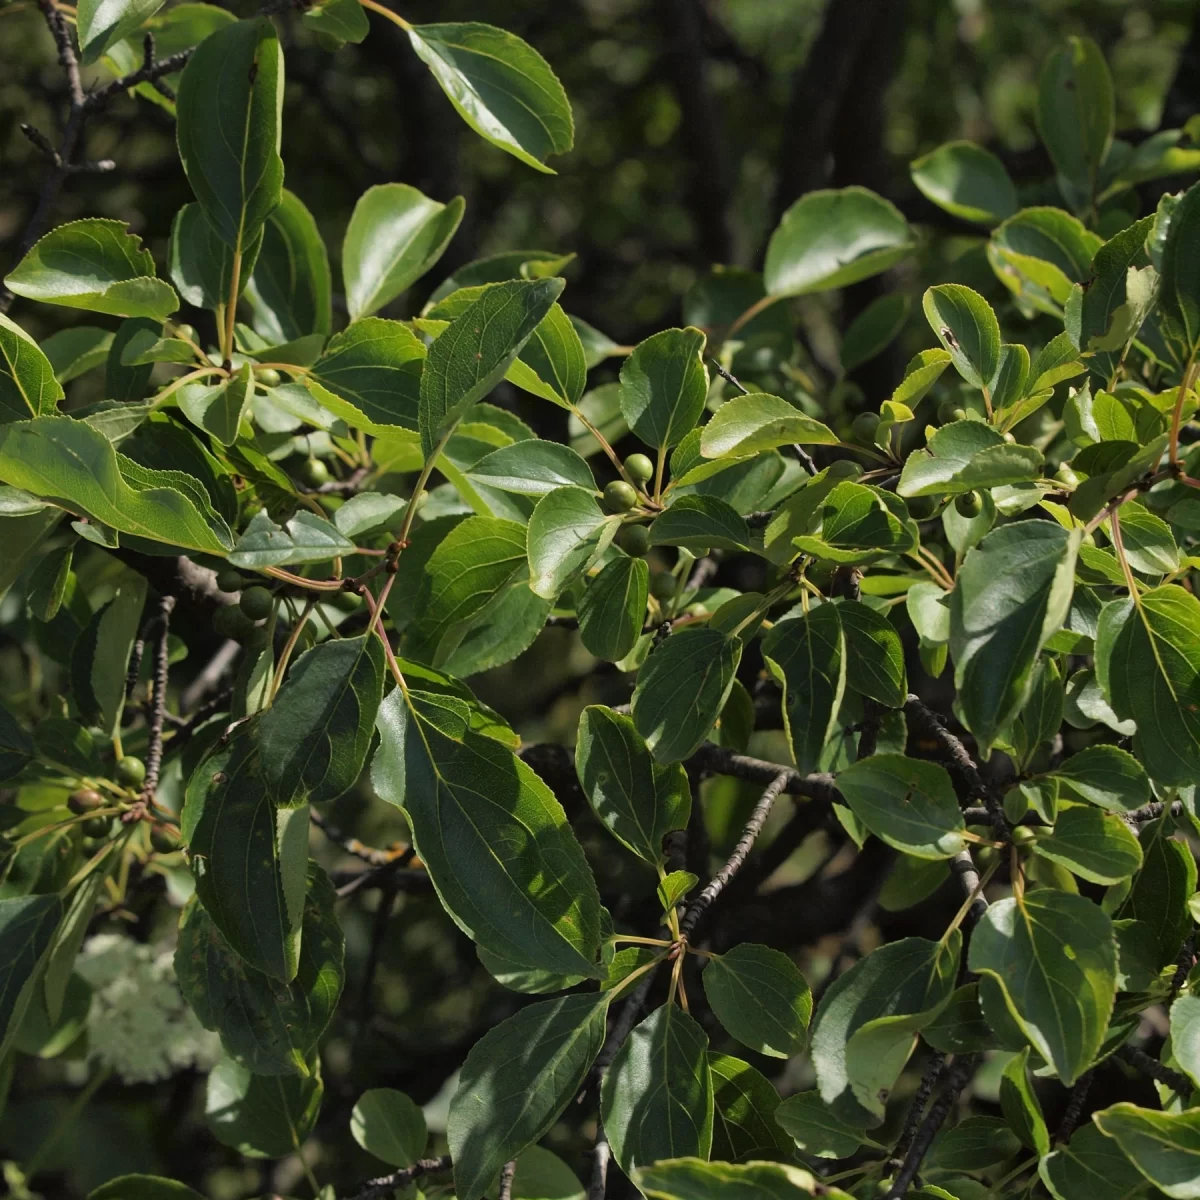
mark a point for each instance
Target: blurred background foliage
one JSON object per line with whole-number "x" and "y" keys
{"x": 697, "y": 123}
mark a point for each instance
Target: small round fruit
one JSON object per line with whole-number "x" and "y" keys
{"x": 162, "y": 841}
{"x": 921, "y": 508}
{"x": 635, "y": 540}
{"x": 131, "y": 771}
{"x": 268, "y": 377}
{"x": 97, "y": 827}
{"x": 347, "y": 602}
{"x": 1010, "y": 438}
{"x": 662, "y": 585}
{"x": 313, "y": 472}
{"x": 229, "y": 621}
{"x": 1066, "y": 476}
{"x": 84, "y": 800}
{"x": 950, "y": 411}
{"x": 639, "y": 468}
{"x": 695, "y": 610}
{"x": 969, "y": 504}
{"x": 187, "y": 332}
{"x": 1022, "y": 835}
{"x": 864, "y": 427}
{"x": 256, "y": 603}
{"x": 619, "y": 497}
{"x": 229, "y": 580}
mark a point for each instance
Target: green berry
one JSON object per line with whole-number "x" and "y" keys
{"x": 229, "y": 580}
{"x": 313, "y": 472}
{"x": 256, "y": 603}
{"x": 268, "y": 377}
{"x": 619, "y": 497}
{"x": 635, "y": 540}
{"x": 662, "y": 585}
{"x": 188, "y": 332}
{"x": 1067, "y": 477}
{"x": 97, "y": 827}
{"x": 864, "y": 428}
{"x": 131, "y": 771}
{"x": 969, "y": 504}
{"x": 163, "y": 841}
{"x": 921, "y": 508}
{"x": 84, "y": 800}
{"x": 348, "y": 602}
{"x": 229, "y": 621}
{"x": 1010, "y": 438}
{"x": 1022, "y": 835}
{"x": 950, "y": 411}
{"x": 695, "y": 610}
{"x": 639, "y": 468}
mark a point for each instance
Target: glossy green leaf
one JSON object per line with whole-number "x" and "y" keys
{"x": 567, "y": 533}
{"x": 1185, "y": 1032}
{"x": 553, "y": 364}
{"x": 967, "y": 181}
{"x": 1164, "y": 1147}
{"x": 494, "y": 839}
{"x": 908, "y": 803}
{"x": 473, "y": 354}
{"x": 863, "y": 1031}
{"x": 1106, "y": 776}
{"x": 27, "y": 928}
{"x": 1090, "y": 1167}
{"x": 1179, "y": 293}
{"x": 831, "y": 238}
{"x": 696, "y": 522}
{"x": 501, "y": 632}
{"x": 395, "y": 235}
{"x": 75, "y": 351}
{"x": 967, "y": 328}
{"x": 387, "y": 1124}
{"x": 516, "y": 1082}
{"x": 532, "y": 468}
{"x": 1062, "y": 1001}
{"x": 306, "y": 538}
{"x": 612, "y": 608}
{"x": 1012, "y": 595}
{"x": 682, "y": 688}
{"x": 1040, "y": 254}
{"x": 664, "y": 383}
{"x": 77, "y": 467}
{"x": 744, "y": 1106}
{"x": 269, "y": 1027}
{"x": 261, "y": 1116}
{"x": 1091, "y": 844}
{"x": 747, "y": 424}
{"x": 221, "y": 408}
{"x": 342, "y": 20}
{"x": 657, "y": 1098}
{"x": 874, "y": 655}
{"x": 859, "y": 524}
{"x": 1110, "y": 309}
{"x": 201, "y": 265}
{"x": 760, "y": 997}
{"x": 815, "y": 1129}
{"x": 965, "y": 456}
{"x": 807, "y": 655}
{"x": 1021, "y": 1107}
{"x": 28, "y": 387}
{"x": 1159, "y": 897}
{"x": 228, "y": 128}
{"x": 695, "y": 1179}
{"x": 501, "y": 86}
{"x": 101, "y": 23}
{"x": 94, "y": 264}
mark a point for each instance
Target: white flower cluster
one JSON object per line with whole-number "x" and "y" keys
{"x": 138, "y": 1024}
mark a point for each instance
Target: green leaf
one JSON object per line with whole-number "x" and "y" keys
{"x": 75, "y": 351}
{"x": 77, "y": 468}
{"x": 228, "y": 127}
{"x": 307, "y": 538}
{"x": 567, "y": 533}
{"x": 874, "y": 655}
{"x": 1039, "y": 255}
{"x": 967, "y": 328}
{"x": 807, "y": 655}
{"x": 963, "y": 457}
{"x": 873, "y": 330}
{"x": 1106, "y": 776}
{"x": 1159, "y": 897}
{"x": 1108, "y": 306}
{"x": 1089, "y": 1167}
{"x": 1164, "y": 1147}
{"x": 967, "y": 181}
{"x": 859, "y": 524}
{"x": 975, "y": 1145}
{"x": 143, "y": 1187}
{"x": 219, "y": 410}
{"x": 1054, "y": 956}
{"x": 1091, "y": 844}
{"x": 27, "y": 384}
{"x": 657, "y": 1098}
{"x": 553, "y": 364}
{"x": 1076, "y": 116}
{"x": 908, "y": 803}
{"x": 290, "y": 288}
{"x": 99, "y": 683}
{"x": 516, "y": 1082}
{"x": 758, "y": 421}
{"x": 473, "y": 354}
{"x": 200, "y": 264}
{"x": 395, "y": 235}
{"x": 501, "y": 632}
{"x": 681, "y": 690}
{"x": 249, "y": 861}
{"x": 696, "y": 522}
{"x": 370, "y": 375}
{"x": 315, "y": 736}
{"x": 638, "y": 800}
{"x": 268, "y": 1027}
{"x": 816, "y": 1129}
{"x": 494, "y": 839}
{"x": 101, "y": 23}
{"x": 1179, "y": 291}
{"x": 532, "y": 468}
{"x": 744, "y": 1106}
{"x": 863, "y": 1031}
{"x": 343, "y": 20}
{"x": 501, "y": 86}
{"x": 471, "y": 566}
{"x": 387, "y": 1124}
{"x": 97, "y": 265}
{"x": 1153, "y": 677}
{"x": 664, "y": 383}
{"x": 1012, "y": 594}
{"x": 1020, "y": 1105}
{"x": 27, "y": 928}
{"x": 1185, "y": 1033}
{"x": 673, "y": 887}
{"x": 760, "y": 997}
{"x": 695, "y": 1179}
{"x": 832, "y": 238}
{"x": 613, "y": 607}
{"x": 261, "y": 1116}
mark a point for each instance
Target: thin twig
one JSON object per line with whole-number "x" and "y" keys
{"x": 351, "y": 845}
{"x": 600, "y": 1160}
{"x": 506, "y": 1180}
{"x": 158, "y": 698}
{"x": 1159, "y": 1072}
{"x": 717, "y": 760}
{"x": 929, "y": 1080}
{"x": 1075, "y": 1104}
{"x": 385, "y": 1185}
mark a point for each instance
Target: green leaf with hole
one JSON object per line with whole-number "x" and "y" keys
{"x": 94, "y": 264}
{"x": 967, "y": 328}
{"x": 760, "y": 997}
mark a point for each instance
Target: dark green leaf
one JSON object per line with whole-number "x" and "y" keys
{"x": 695, "y": 1179}
{"x": 873, "y": 330}
{"x": 613, "y": 607}
{"x": 261, "y": 1116}
{"x": 1159, "y": 897}
{"x": 874, "y": 655}
{"x": 664, "y": 384}
{"x": 1091, "y": 844}
{"x": 553, "y": 364}
{"x": 1020, "y": 1105}
{"x": 387, "y": 1124}
{"x": 75, "y": 351}
{"x": 307, "y": 538}
{"x": 1090, "y": 1167}
{"x": 1164, "y": 1147}
{"x": 1040, "y": 254}
{"x": 967, "y": 181}
{"x": 760, "y": 997}
{"x": 859, "y": 524}
{"x": 1179, "y": 292}
{"x": 815, "y": 1129}
{"x": 975, "y": 1144}
{"x": 219, "y": 409}
{"x": 143, "y": 1187}
{"x": 696, "y": 522}
{"x": 532, "y": 468}
{"x": 744, "y": 1108}
{"x": 965, "y": 456}
{"x": 27, "y": 927}
{"x": 27, "y": 384}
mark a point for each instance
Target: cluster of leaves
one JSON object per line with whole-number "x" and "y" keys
{"x": 1020, "y": 511}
